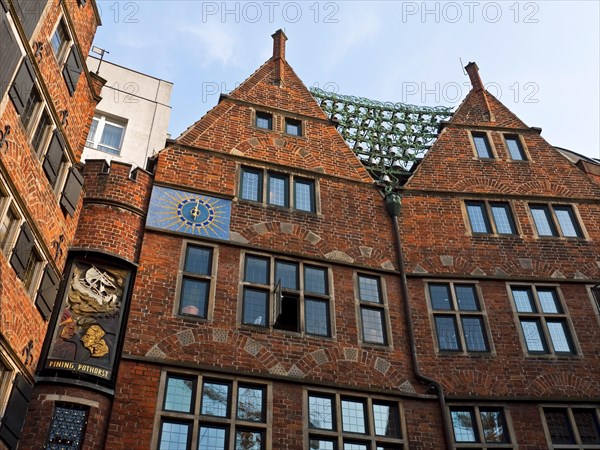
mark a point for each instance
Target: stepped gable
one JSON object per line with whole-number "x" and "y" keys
{"x": 275, "y": 88}
{"x": 451, "y": 164}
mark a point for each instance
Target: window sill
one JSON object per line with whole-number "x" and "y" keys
{"x": 285, "y": 209}
{"x": 375, "y": 346}
{"x": 193, "y": 318}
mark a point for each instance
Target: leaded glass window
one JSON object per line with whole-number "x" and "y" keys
{"x": 458, "y": 317}
{"x": 67, "y": 428}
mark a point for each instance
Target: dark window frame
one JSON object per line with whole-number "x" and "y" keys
{"x": 209, "y": 279}
{"x": 568, "y": 411}
{"x": 480, "y": 442}
{"x": 490, "y": 219}
{"x": 276, "y": 296}
{"x": 263, "y": 115}
{"x": 291, "y": 183}
{"x": 457, "y": 314}
{"x": 553, "y": 222}
{"x": 489, "y": 150}
{"x": 297, "y": 123}
{"x": 520, "y": 147}
{"x": 369, "y": 305}
{"x": 338, "y": 436}
{"x": 229, "y": 422}
{"x": 541, "y": 319}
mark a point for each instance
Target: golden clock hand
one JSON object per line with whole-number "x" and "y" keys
{"x": 195, "y": 212}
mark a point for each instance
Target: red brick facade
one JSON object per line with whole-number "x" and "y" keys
{"x": 173, "y": 362}
{"x": 32, "y": 187}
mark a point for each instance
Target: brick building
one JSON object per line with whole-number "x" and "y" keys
{"x": 47, "y": 99}
{"x": 259, "y": 289}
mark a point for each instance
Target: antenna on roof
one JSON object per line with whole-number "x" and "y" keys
{"x": 101, "y": 52}
{"x": 462, "y": 66}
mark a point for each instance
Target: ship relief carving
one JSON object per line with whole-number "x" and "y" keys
{"x": 89, "y": 324}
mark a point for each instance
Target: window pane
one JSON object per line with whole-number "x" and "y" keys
{"x": 559, "y": 337}
{"x": 41, "y": 131}
{"x": 543, "y": 221}
{"x": 293, "y": 127}
{"x": 8, "y": 221}
{"x": 212, "y": 438}
{"x": 111, "y": 136}
{"x": 368, "y": 289}
{"x": 320, "y": 410}
{"x": 503, "y": 218}
{"x": 533, "y": 336}
{"x": 251, "y": 185}
{"x": 559, "y": 426}
{"x": 440, "y": 296}
{"x": 215, "y": 398}
{"x": 317, "y": 317}
{"x": 315, "y": 280}
{"x": 67, "y": 428}
{"x": 255, "y": 307}
{"x": 248, "y": 440}
{"x": 250, "y": 404}
{"x": 304, "y": 195}
{"x": 179, "y": 394}
{"x": 474, "y": 336}
{"x": 198, "y": 260}
{"x": 353, "y": 416}
{"x": 194, "y": 297}
{"x": 514, "y": 148}
{"x": 462, "y": 423}
{"x": 278, "y": 190}
{"x": 354, "y": 446}
{"x": 287, "y": 272}
{"x": 59, "y": 37}
{"x": 482, "y": 145}
{"x": 264, "y": 120}
{"x": 494, "y": 429}
{"x": 466, "y": 297}
{"x": 372, "y": 323}
{"x": 446, "y": 333}
{"x": 174, "y": 436}
{"x": 92, "y": 134}
{"x": 386, "y": 420}
{"x": 587, "y": 425}
{"x": 257, "y": 270}
{"x": 478, "y": 217}
{"x": 523, "y": 299}
{"x": 567, "y": 221}
{"x": 320, "y": 444}
{"x": 33, "y": 101}
{"x": 549, "y": 301}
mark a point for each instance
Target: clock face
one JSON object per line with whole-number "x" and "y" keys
{"x": 196, "y": 212}
{"x": 189, "y": 212}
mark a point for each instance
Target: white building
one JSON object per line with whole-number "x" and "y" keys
{"x": 131, "y": 121}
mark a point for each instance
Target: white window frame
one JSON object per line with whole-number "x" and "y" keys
{"x": 96, "y": 141}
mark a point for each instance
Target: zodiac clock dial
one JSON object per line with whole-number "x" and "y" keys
{"x": 191, "y": 213}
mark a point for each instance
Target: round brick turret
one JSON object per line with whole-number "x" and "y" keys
{"x": 114, "y": 209}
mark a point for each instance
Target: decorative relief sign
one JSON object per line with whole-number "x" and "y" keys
{"x": 188, "y": 212}
{"x": 86, "y": 333}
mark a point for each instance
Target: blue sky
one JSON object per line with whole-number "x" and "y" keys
{"x": 541, "y": 59}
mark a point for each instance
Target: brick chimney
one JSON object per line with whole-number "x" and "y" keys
{"x": 279, "y": 39}
{"x": 473, "y": 72}
{"x": 477, "y": 86}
